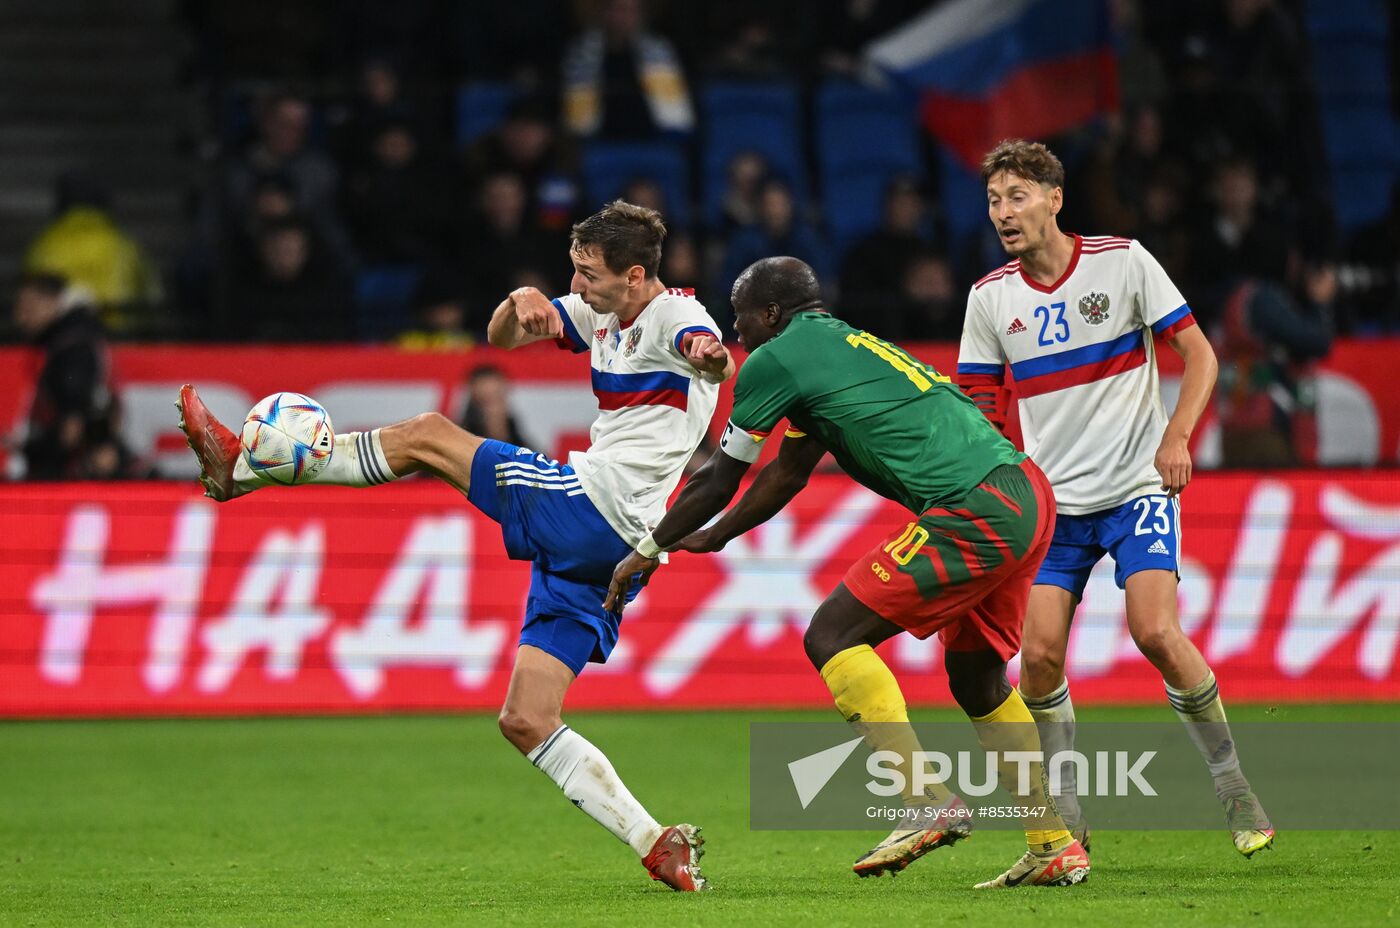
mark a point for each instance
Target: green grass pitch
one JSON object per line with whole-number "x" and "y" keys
{"x": 436, "y": 820}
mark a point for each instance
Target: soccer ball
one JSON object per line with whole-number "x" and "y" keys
{"x": 287, "y": 438}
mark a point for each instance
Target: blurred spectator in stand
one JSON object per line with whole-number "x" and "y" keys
{"x": 521, "y": 41}
{"x": 274, "y": 199}
{"x": 440, "y": 316}
{"x": 779, "y": 231}
{"x": 294, "y": 292}
{"x": 399, "y": 205}
{"x": 488, "y": 411}
{"x": 847, "y": 26}
{"x": 106, "y": 456}
{"x": 73, "y": 395}
{"x": 1266, "y": 99}
{"x": 1241, "y": 238}
{"x": 380, "y": 99}
{"x": 1142, "y": 80}
{"x": 1163, "y": 229}
{"x": 1269, "y": 344}
{"x": 741, "y": 195}
{"x": 623, "y": 82}
{"x": 528, "y": 145}
{"x": 873, "y": 274}
{"x": 267, "y": 40}
{"x": 644, "y": 191}
{"x": 84, "y": 245}
{"x": 502, "y": 242}
{"x": 1115, "y": 175}
{"x": 931, "y": 307}
{"x": 681, "y": 265}
{"x": 754, "y": 40}
{"x": 282, "y": 148}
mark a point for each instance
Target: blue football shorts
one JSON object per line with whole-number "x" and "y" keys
{"x": 546, "y": 518}
{"x": 1141, "y": 534}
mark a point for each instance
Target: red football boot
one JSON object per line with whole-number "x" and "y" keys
{"x": 675, "y": 859}
{"x": 216, "y": 447}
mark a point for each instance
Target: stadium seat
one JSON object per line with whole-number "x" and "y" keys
{"x": 740, "y": 116}
{"x": 1361, "y": 194}
{"x": 1350, "y": 69}
{"x": 481, "y": 106}
{"x": 609, "y": 167}
{"x": 383, "y": 298}
{"x": 1350, "y": 66}
{"x": 1357, "y": 134}
{"x": 865, "y": 137}
{"x": 1346, "y": 18}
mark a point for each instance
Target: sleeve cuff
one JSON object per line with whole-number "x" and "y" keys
{"x": 570, "y": 340}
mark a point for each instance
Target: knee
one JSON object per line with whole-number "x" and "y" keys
{"x": 978, "y": 690}
{"x": 1157, "y": 643}
{"x": 825, "y": 638}
{"x": 428, "y": 428}
{"x": 1042, "y": 661}
{"x": 522, "y": 729}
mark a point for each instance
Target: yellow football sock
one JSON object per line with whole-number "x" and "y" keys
{"x": 868, "y": 697}
{"x": 1010, "y": 727}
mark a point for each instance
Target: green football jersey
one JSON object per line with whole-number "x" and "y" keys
{"x": 894, "y": 424}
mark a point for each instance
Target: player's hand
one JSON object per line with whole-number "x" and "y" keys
{"x": 702, "y": 541}
{"x": 536, "y": 314}
{"x": 1173, "y": 463}
{"x": 622, "y": 579}
{"x": 705, "y": 353}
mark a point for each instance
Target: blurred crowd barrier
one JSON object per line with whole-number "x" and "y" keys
{"x": 1356, "y": 411}
{"x": 144, "y": 598}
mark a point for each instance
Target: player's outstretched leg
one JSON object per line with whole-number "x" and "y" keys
{"x": 1195, "y": 697}
{"x": 428, "y": 442}
{"x": 840, "y": 643}
{"x": 531, "y": 721}
{"x": 1005, "y": 728}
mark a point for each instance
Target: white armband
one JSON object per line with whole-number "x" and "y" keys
{"x": 741, "y": 445}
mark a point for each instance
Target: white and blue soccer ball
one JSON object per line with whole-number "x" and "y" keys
{"x": 287, "y": 438}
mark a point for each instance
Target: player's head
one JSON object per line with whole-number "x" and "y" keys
{"x": 768, "y": 294}
{"x": 39, "y": 300}
{"x": 616, "y": 253}
{"x": 1025, "y": 189}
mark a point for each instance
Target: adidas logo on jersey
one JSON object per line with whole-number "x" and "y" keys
{"x": 1016, "y": 327}
{"x": 1157, "y": 548}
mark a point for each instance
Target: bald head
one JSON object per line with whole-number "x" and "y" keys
{"x": 768, "y": 294}
{"x": 789, "y": 282}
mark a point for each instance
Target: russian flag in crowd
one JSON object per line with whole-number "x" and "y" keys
{"x": 987, "y": 70}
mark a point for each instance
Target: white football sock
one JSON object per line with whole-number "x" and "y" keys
{"x": 357, "y": 461}
{"x": 1054, "y": 720}
{"x": 589, "y": 780}
{"x": 1203, "y": 713}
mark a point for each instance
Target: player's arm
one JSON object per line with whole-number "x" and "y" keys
{"x": 525, "y": 316}
{"x": 707, "y": 492}
{"x": 708, "y": 356}
{"x": 1173, "y": 459}
{"x": 776, "y": 485}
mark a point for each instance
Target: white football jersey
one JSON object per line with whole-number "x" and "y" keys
{"x": 1082, "y": 355}
{"x": 653, "y": 407}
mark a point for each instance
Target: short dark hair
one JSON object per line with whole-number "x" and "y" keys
{"x": 44, "y": 282}
{"x": 1030, "y": 160}
{"x": 789, "y": 282}
{"x": 625, "y": 233}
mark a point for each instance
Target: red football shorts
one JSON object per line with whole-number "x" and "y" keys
{"x": 965, "y": 571}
